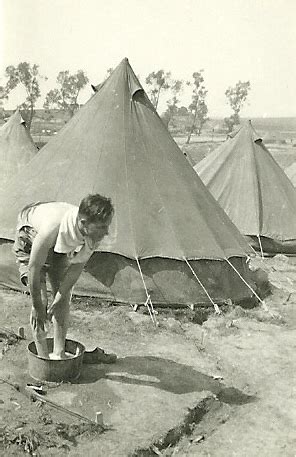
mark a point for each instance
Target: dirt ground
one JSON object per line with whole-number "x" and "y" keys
{"x": 197, "y": 384}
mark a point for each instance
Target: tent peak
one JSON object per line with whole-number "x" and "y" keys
{"x": 125, "y": 61}
{"x": 256, "y": 138}
{"x": 123, "y": 68}
{"x": 16, "y": 118}
{"x": 246, "y": 128}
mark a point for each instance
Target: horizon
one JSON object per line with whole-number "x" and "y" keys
{"x": 11, "y": 110}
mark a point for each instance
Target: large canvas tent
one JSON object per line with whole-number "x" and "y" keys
{"x": 253, "y": 190}
{"x": 168, "y": 239}
{"x": 16, "y": 147}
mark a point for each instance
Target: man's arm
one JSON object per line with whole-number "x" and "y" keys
{"x": 70, "y": 278}
{"x": 40, "y": 247}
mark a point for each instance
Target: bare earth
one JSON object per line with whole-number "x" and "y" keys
{"x": 224, "y": 388}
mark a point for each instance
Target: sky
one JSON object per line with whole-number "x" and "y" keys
{"x": 230, "y": 40}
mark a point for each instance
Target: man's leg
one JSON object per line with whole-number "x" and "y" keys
{"x": 60, "y": 321}
{"x": 40, "y": 334}
{"x": 22, "y": 250}
{"x": 60, "y": 317}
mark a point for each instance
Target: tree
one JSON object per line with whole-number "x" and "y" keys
{"x": 66, "y": 95}
{"x": 3, "y": 96}
{"x": 236, "y": 96}
{"x": 172, "y": 104}
{"x": 198, "y": 106}
{"x": 183, "y": 111}
{"x": 28, "y": 76}
{"x": 158, "y": 81}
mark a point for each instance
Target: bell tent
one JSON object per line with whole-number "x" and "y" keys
{"x": 16, "y": 147}
{"x": 253, "y": 190}
{"x": 169, "y": 240}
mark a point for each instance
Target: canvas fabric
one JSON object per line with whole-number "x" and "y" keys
{"x": 16, "y": 148}
{"x": 252, "y": 188}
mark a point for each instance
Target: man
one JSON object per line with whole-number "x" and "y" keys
{"x": 57, "y": 239}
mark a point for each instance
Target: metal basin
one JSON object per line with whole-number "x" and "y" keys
{"x": 43, "y": 369}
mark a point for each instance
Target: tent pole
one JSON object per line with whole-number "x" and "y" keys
{"x": 148, "y": 302}
{"x": 262, "y": 255}
{"x": 217, "y": 310}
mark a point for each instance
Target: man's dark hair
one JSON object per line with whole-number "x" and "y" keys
{"x": 96, "y": 208}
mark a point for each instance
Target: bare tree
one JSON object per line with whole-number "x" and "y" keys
{"x": 198, "y": 106}
{"x": 3, "y": 96}
{"x": 236, "y": 97}
{"x": 28, "y": 76}
{"x": 65, "y": 97}
{"x": 172, "y": 103}
{"x": 158, "y": 82}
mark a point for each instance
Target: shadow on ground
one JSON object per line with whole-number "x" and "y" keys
{"x": 163, "y": 374}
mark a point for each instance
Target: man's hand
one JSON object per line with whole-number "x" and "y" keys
{"x": 64, "y": 293}
{"x": 38, "y": 319}
{"x": 56, "y": 302}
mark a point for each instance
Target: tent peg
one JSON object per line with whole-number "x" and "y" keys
{"x": 216, "y": 307}
{"x": 148, "y": 302}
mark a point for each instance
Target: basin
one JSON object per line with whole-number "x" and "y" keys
{"x": 43, "y": 369}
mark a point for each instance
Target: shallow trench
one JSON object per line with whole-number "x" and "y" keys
{"x": 187, "y": 429}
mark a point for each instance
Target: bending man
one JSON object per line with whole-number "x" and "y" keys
{"x": 57, "y": 239}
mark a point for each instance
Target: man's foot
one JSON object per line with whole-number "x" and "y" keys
{"x": 98, "y": 355}
{"x": 64, "y": 356}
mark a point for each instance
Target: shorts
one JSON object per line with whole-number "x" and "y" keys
{"x": 55, "y": 263}
{"x": 22, "y": 249}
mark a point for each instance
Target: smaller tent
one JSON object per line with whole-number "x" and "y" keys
{"x": 291, "y": 173}
{"x": 16, "y": 147}
{"x": 253, "y": 190}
